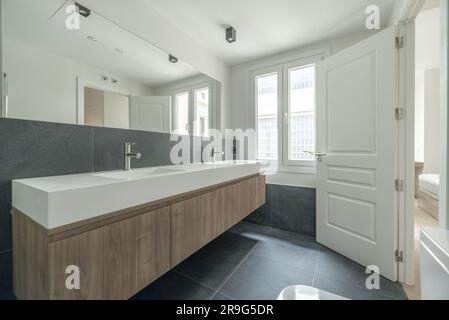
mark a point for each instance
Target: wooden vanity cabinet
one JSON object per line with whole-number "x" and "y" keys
{"x": 120, "y": 254}
{"x": 212, "y": 214}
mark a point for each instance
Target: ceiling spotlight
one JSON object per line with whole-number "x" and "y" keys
{"x": 82, "y": 10}
{"x": 231, "y": 35}
{"x": 172, "y": 59}
{"x": 92, "y": 38}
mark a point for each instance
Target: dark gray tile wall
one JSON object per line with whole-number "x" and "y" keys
{"x": 30, "y": 149}
{"x": 288, "y": 208}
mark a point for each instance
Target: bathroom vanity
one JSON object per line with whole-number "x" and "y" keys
{"x": 123, "y": 230}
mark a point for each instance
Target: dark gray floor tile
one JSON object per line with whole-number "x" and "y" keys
{"x": 292, "y": 237}
{"x": 302, "y": 255}
{"x": 252, "y": 231}
{"x": 220, "y": 296}
{"x": 213, "y": 264}
{"x": 263, "y": 279}
{"x": 7, "y": 295}
{"x": 174, "y": 286}
{"x": 334, "y": 266}
{"x": 346, "y": 290}
{"x": 6, "y": 271}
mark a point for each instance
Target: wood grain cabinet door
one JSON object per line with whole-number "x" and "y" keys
{"x": 119, "y": 277}
{"x": 84, "y": 251}
{"x": 153, "y": 246}
{"x": 182, "y": 231}
{"x": 209, "y": 217}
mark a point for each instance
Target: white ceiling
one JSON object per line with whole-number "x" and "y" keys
{"x": 265, "y": 27}
{"x": 41, "y": 24}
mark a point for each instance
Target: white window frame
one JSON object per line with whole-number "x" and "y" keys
{"x": 254, "y": 75}
{"x": 191, "y": 89}
{"x": 283, "y": 164}
{"x": 286, "y": 112}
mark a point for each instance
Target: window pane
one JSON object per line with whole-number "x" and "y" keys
{"x": 181, "y": 114}
{"x": 267, "y": 115}
{"x": 301, "y": 111}
{"x": 202, "y": 112}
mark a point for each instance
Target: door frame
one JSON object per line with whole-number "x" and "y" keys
{"x": 406, "y": 23}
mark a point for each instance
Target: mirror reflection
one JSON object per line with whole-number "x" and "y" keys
{"x": 65, "y": 63}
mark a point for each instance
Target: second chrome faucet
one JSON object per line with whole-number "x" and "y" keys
{"x": 129, "y": 155}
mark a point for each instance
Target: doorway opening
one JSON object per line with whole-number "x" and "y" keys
{"x": 106, "y": 109}
{"x": 427, "y": 128}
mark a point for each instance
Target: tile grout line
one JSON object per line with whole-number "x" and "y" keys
{"x": 194, "y": 280}
{"x": 236, "y": 268}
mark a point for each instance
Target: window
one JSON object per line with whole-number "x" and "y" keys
{"x": 202, "y": 112}
{"x": 181, "y": 114}
{"x": 285, "y": 113}
{"x": 194, "y": 109}
{"x": 267, "y": 116}
{"x": 301, "y": 107}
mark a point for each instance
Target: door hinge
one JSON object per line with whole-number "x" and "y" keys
{"x": 400, "y": 114}
{"x": 399, "y": 185}
{"x": 399, "y": 256}
{"x": 400, "y": 42}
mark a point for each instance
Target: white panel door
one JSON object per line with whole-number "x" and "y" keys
{"x": 356, "y": 197}
{"x": 151, "y": 113}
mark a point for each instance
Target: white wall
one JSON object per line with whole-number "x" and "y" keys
{"x": 242, "y": 113}
{"x": 144, "y": 21}
{"x": 42, "y": 86}
{"x": 428, "y": 56}
{"x": 432, "y": 139}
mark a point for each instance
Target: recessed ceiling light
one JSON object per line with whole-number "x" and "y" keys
{"x": 172, "y": 59}
{"x": 92, "y": 38}
{"x": 82, "y": 10}
{"x": 231, "y": 35}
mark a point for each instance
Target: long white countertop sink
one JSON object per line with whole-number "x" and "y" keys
{"x": 57, "y": 201}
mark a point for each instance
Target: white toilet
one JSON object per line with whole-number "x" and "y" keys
{"x": 434, "y": 264}
{"x": 307, "y": 293}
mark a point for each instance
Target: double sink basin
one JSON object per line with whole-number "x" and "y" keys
{"x": 58, "y": 201}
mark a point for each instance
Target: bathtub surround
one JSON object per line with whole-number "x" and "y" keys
{"x": 288, "y": 208}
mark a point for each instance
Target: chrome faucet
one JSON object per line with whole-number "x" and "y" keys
{"x": 214, "y": 153}
{"x": 129, "y": 155}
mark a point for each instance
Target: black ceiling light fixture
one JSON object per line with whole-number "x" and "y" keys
{"x": 231, "y": 35}
{"x": 82, "y": 10}
{"x": 172, "y": 58}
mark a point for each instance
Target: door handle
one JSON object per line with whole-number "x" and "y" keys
{"x": 318, "y": 155}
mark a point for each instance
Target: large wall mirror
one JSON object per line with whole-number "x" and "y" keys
{"x": 81, "y": 68}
